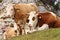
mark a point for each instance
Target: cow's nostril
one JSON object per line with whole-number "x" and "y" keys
{"x": 29, "y": 25}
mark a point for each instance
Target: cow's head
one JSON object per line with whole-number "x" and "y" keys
{"x": 43, "y": 18}
{"x": 10, "y": 32}
{"x": 32, "y": 19}
{"x": 46, "y": 15}
{"x": 48, "y": 18}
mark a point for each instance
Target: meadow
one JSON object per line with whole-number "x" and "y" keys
{"x": 49, "y": 34}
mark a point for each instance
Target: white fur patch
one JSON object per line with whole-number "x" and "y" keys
{"x": 15, "y": 26}
{"x": 27, "y": 29}
{"x": 53, "y": 14}
{"x": 4, "y": 35}
{"x": 43, "y": 27}
{"x": 31, "y": 22}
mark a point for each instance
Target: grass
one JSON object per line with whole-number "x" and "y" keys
{"x": 51, "y": 34}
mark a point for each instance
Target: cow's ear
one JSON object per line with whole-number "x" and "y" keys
{"x": 27, "y": 15}
{"x": 39, "y": 17}
{"x": 15, "y": 6}
{"x": 36, "y": 14}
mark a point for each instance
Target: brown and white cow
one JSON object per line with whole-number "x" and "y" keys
{"x": 48, "y": 20}
{"x": 9, "y": 27}
{"x": 31, "y": 22}
{"x": 22, "y": 12}
{"x": 10, "y": 31}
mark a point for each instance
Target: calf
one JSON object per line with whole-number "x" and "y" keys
{"x": 22, "y": 12}
{"x": 48, "y": 20}
{"x": 9, "y": 27}
{"x": 10, "y": 31}
{"x": 31, "y": 22}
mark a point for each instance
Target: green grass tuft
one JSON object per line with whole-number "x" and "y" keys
{"x": 51, "y": 34}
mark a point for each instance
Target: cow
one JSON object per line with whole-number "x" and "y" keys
{"x": 48, "y": 20}
{"x": 22, "y": 12}
{"x": 9, "y": 28}
{"x": 10, "y": 31}
{"x": 31, "y": 22}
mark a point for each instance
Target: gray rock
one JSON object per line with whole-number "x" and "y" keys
{"x": 42, "y": 9}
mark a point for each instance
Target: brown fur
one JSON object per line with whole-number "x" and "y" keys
{"x": 21, "y": 12}
{"x": 48, "y": 18}
{"x": 57, "y": 24}
{"x": 10, "y": 33}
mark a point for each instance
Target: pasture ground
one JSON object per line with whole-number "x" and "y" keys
{"x": 50, "y": 34}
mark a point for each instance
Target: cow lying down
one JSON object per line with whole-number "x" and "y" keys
{"x": 48, "y": 20}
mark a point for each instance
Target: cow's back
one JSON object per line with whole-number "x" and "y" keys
{"x": 57, "y": 24}
{"x": 26, "y": 8}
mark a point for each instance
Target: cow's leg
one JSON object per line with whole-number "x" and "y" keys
{"x": 4, "y": 35}
{"x": 43, "y": 27}
{"x": 18, "y": 26}
{"x": 23, "y": 24}
{"x": 16, "y": 20}
{"x": 25, "y": 30}
{"x": 17, "y": 32}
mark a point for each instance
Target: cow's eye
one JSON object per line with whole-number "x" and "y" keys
{"x": 27, "y": 21}
{"x": 33, "y": 18}
{"x": 16, "y": 31}
{"x": 18, "y": 10}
